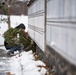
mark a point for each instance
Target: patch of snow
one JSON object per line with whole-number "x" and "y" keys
{"x": 25, "y": 64}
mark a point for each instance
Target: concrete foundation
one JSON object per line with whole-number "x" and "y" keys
{"x": 56, "y": 62}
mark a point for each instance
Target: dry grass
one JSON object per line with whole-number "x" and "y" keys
{"x": 8, "y": 73}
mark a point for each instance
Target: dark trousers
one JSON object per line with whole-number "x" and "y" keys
{"x": 14, "y": 48}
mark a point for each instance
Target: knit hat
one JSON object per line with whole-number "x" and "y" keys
{"x": 22, "y": 26}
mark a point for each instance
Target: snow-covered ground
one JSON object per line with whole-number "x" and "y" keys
{"x": 15, "y": 20}
{"x": 25, "y": 64}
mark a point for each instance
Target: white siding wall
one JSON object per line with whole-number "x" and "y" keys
{"x": 61, "y": 27}
{"x": 36, "y": 22}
